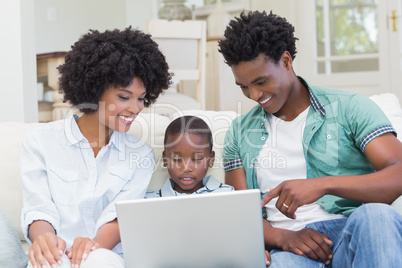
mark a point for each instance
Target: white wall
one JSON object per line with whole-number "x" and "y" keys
{"x": 59, "y": 23}
{"x": 283, "y": 8}
{"x": 139, "y": 11}
{"x": 18, "y": 100}
{"x": 43, "y": 26}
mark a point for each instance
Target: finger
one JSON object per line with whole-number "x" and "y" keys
{"x": 282, "y": 204}
{"x": 95, "y": 246}
{"x": 32, "y": 258}
{"x": 291, "y": 210}
{"x": 267, "y": 258}
{"x": 323, "y": 250}
{"x": 48, "y": 248}
{"x": 327, "y": 240}
{"x": 314, "y": 251}
{"x": 297, "y": 251}
{"x": 272, "y": 193}
{"x": 68, "y": 253}
{"x": 61, "y": 246}
{"x": 308, "y": 251}
{"x": 87, "y": 249}
{"x": 76, "y": 253}
{"x": 39, "y": 251}
{"x": 54, "y": 251}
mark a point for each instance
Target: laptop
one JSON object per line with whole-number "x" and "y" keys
{"x": 214, "y": 230}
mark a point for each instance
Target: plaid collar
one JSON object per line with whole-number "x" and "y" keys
{"x": 315, "y": 103}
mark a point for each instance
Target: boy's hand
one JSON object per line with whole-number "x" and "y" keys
{"x": 294, "y": 194}
{"x": 80, "y": 250}
{"x": 308, "y": 243}
{"x": 46, "y": 247}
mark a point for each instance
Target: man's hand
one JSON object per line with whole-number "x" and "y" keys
{"x": 80, "y": 250}
{"x": 46, "y": 247}
{"x": 295, "y": 193}
{"x": 308, "y": 243}
{"x": 267, "y": 258}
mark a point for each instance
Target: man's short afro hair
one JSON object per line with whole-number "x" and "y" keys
{"x": 256, "y": 32}
{"x": 98, "y": 61}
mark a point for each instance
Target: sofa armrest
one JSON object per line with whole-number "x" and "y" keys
{"x": 397, "y": 204}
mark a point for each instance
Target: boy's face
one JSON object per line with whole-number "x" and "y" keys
{"x": 265, "y": 82}
{"x": 187, "y": 158}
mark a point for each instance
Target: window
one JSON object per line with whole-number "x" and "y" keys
{"x": 347, "y": 36}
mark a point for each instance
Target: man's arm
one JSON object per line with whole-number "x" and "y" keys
{"x": 383, "y": 186}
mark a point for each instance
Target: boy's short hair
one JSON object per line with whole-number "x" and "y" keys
{"x": 254, "y": 33}
{"x": 100, "y": 60}
{"x": 189, "y": 124}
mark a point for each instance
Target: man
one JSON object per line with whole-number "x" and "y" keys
{"x": 315, "y": 153}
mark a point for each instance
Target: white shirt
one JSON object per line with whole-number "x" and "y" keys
{"x": 64, "y": 184}
{"x": 282, "y": 158}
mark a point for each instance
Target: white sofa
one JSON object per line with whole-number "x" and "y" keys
{"x": 149, "y": 127}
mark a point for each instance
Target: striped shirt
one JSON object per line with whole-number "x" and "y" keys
{"x": 211, "y": 185}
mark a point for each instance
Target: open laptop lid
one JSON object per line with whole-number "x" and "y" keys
{"x": 206, "y": 230}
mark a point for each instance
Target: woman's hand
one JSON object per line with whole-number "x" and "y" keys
{"x": 46, "y": 247}
{"x": 308, "y": 243}
{"x": 80, "y": 250}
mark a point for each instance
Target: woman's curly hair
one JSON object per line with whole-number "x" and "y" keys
{"x": 98, "y": 61}
{"x": 256, "y": 32}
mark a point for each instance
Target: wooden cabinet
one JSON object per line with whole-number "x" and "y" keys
{"x": 48, "y": 75}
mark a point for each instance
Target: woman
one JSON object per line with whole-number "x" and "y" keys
{"x": 73, "y": 171}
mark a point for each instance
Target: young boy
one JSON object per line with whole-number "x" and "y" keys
{"x": 187, "y": 155}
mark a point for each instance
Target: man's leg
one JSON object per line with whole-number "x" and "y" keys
{"x": 372, "y": 237}
{"x": 331, "y": 228}
{"x": 284, "y": 259}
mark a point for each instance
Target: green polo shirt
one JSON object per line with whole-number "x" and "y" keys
{"x": 339, "y": 125}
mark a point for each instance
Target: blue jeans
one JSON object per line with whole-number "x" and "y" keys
{"x": 370, "y": 237}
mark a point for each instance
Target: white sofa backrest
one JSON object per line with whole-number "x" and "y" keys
{"x": 11, "y": 135}
{"x": 150, "y": 128}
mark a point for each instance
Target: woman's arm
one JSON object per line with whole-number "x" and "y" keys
{"x": 108, "y": 236}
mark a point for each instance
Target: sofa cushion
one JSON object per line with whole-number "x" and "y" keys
{"x": 11, "y": 135}
{"x": 389, "y": 104}
{"x": 151, "y": 128}
{"x": 11, "y": 252}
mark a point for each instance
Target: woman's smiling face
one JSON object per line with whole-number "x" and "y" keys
{"x": 119, "y": 106}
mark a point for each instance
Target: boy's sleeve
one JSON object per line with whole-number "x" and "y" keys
{"x": 152, "y": 194}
